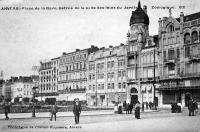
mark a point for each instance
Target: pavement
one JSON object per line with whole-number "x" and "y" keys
{"x": 62, "y": 114}
{"x": 161, "y": 121}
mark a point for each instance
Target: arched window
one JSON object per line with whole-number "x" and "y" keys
{"x": 171, "y": 28}
{"x": 194, "y": 36}
{"x": 134, "y": 90}
{"x": 187, "y": 38}
{"x": 199, "y": 35}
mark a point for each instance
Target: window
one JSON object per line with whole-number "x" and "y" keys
{"x": 164, "y": 41}
{"x": 124, "y": 85}
{"x": 119, "y": 85}
{"x": 194, "y": 36}
{"x": 93, "y": 87}
{"x": 90, "y": 78}
{"x": 112, "y": 75}
{"x": 187, "y": 51}
{"x": 119, "y": 73}
{"x": 178, "y": 53}
{"x": 113, "y": 86}
{"x": 177, "y": 39}
{"x": 124, "y": 73}
{"x": 187, "y": 38}
{"x": 171, "y": 54}
{"x": 171, "y": 28}
{"x": 149, "y": 43}
{"x": 100, "y": 76}
{"x": 108, "y": 86}
{"x": 90, "y": 87}
{"x": 93, "y": 76}
{"x": 112, "y": 64}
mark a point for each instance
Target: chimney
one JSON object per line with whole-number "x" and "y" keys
{"x": 181, "y": 17}
{"x": 77, "y": 50}
{"x": 121, "y": 44}
{"x": 145, "y": 9}
{"x": 64, "y": 53}
{"x": 160, "y": 24}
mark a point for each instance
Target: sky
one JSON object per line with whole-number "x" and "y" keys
{"x": 30, "y": 36}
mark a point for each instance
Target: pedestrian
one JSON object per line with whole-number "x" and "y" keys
{"x": 191, "y": 107}
{"x": 119, "y": 108}
{"x": 195, "y": 106}
{"x": 77, "y": 110}
{"x": 142, "y": 106}
{"x": 53, "y": 111}
{"x": 130, "y": 108}
{"x": 6, "y": 107}
{"x": 127, "y": 108}
{"x": 124, "y": 105}
{"x": 150, "y": 105}
{"x": 137, "y": 110}
{"x": 147, "y": 104}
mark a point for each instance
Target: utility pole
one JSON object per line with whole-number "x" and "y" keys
{"x": 154, "y": 78}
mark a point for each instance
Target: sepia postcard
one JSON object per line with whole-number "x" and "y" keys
{"x": 100, "y": 65}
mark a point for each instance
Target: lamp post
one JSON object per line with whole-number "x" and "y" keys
{"x": 154, "y": 78}
{"x": 33, "y": 101}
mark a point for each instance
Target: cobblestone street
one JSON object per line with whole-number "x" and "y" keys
{"x": 154, "y": 121}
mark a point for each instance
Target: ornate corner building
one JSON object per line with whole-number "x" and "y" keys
{"x": 142, "y": 58}
{"x": 179, "y": 45}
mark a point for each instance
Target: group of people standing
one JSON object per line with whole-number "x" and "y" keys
{"x": 128, "y": 107}
{"x": 76, "y": 111}
{"x": 192, "y": 107}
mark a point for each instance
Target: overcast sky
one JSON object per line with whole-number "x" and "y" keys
{"x": 28, "y": 36}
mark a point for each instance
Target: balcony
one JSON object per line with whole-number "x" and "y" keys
{"x": 132, "y": 53}
{"x": 194, "y": 58}
{"x": 195, "y": 74}
{"x": 170, "y": 61}
{"x": 46, "y": 94}
{"x": 65, "y": 91}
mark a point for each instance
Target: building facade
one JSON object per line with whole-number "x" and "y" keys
{"x": 107, "y": 76}
{"x": 48, "y": 78}
{"x": 142, "y": 58}
{"x": 179, "y": 40}
{"x": 72, "y": 78}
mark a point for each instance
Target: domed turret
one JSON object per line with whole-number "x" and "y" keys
{"x": 139, "y": 16}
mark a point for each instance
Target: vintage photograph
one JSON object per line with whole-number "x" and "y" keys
{"x": 100, "y": 65}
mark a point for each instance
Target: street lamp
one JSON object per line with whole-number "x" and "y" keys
{"x": 33, "y": 101}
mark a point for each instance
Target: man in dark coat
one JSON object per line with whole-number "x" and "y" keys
{"x": 191, "y": 107}
{"x": 54, "y": 110}
{"x": 137, "y": 110}
{"x": 77, "y": 110}
{"x": 6, "y": 107}
{"x": 131, "y": 107}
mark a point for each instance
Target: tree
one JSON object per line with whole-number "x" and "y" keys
{"x": 16, "y": 100}
{"x": 25, "y": 100}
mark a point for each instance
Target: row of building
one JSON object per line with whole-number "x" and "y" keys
{"x": 18, "y": 87}
{"x": 164, "y": 68}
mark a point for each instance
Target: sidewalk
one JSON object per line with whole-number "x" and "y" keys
{"x": 61, "y": 114}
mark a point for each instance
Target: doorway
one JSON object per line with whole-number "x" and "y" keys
{"x": 134, "y": 96}
{"x": 134, "y": 99}
{"x": 187, "y": 98}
